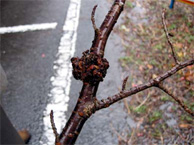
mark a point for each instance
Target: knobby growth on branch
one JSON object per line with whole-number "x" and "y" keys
{"x": 91, "y": 68}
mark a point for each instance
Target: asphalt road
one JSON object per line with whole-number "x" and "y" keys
{"x": 28, "y": 59}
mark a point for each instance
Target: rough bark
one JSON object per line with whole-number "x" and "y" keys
{"x": 86, "y": 102}
{"x": 91, "y": 69}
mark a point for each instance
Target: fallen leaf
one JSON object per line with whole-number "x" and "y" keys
{"x": 185, "y": 125}
{"x": 140, "y": 134}
{"x": 150, "y": 66}
{"x": 141, "y": 68}
{"x": 178, "y": 45}
{"x": 154, "y": 76}
{"x": 180, "y": 54}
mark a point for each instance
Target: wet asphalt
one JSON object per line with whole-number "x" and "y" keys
{"x": 28, "y": 58}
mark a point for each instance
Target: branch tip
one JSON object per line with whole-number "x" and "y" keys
{"x": 54, "y": 127}
{"x": 185, "y": 108}
{"x": 93, "y": 20}
{"x": 124, "y": 83}
{"x": 167, "y": 36}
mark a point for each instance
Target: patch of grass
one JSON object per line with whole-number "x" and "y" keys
{"x": 158, "y": 46}
{"x": 190, "y": 38}
{"x": 141, "y": 109}
{"x": 156, "y": 133}
{"x": 165, "y": 98}
{"x": 156, "y": 115}
{"x": 172, "y": 26}
{"x": 174, "y": 108}
{"x": 126, "y": 59}
{"x": 186, "y": 118}
{"x": 146, "y": 46}
{"x": 189, "y": 105}
{"x": 129, "y": 4}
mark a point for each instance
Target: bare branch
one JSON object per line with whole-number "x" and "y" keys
{"x": 104, "y": 103}
{"x": 124, "y": 83}
{"x": 93, "y": 20}
{"x": 86, "y": 105}
{"x": 53, "y": 126}
{"x": 186, "y": 109}
{"x": 167, "y": 36}
{"x": 106, "y": 27}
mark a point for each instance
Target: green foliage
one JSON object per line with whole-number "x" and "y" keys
{"x": 156, "y": 115}
{"x": 189, "y": 105}
{"x": 172, "y": 26}
{"x": 156, "y": 133}
{"x": 190, "y": 38}
{"x": 174, "y": 108}
{"x": 126, "y": 59}
{"x": 141, "y": 109}
{"x": 129, "y": 4}
{"x": 165, "y": 98}
{"x": 187, "y": 118}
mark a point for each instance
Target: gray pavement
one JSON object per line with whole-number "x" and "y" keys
{"x": 29, "y": 73}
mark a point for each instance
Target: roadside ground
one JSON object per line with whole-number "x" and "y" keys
{"x": 146, "y": 55}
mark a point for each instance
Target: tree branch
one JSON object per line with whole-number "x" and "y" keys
{"x": 91, "y": 69}
{"x": 167, "y": 36}
{"x": 93, "y": 21}
{"x": 100, "y": 40}
{"x": 104, "y": 103}
{"x": 89, "y": 65}
{"x": 186, "y": 109}
{"x": 54, "y": 127}
{"x": 124, "y": 83}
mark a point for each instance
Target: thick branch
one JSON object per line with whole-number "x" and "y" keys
{"x": 167, "y": 36}
{"x": 82, "y": 111}
{"x": 104, "y": 103}
{"x": 186, "y": 109}
{"x": 85, "y": 105}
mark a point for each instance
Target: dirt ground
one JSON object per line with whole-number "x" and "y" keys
{"x": 160, "y": 120}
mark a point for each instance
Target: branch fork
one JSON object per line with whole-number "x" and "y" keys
{"x": 91, "y": 68}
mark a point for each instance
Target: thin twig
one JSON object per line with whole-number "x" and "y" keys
{"x": 161, "y": 138}
{"x": 127, "y": 106}
{"x": 93, "y": 20}
{"x": 124, "y": 83}
{"x": 167, "y": 36}
{"x": 135, "y": 130}
{"x": 186, "y": 109}
{"x": 53, "y": 126}
{"x": 144, "y": 101}
{"x": 104, "y": 103}
{"x": 132, "y": 136}
{"x": 116, "y": 132}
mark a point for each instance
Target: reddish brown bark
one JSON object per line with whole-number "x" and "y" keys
{"x": 91, "y": 69}
{"x": 104, "y": 103}
{"x": 86, "y": 102}
{"x": 83, "y": 110}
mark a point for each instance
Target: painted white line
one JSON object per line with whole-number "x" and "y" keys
{"x": 24, "y": 28}
{"x": 61, "y": 81}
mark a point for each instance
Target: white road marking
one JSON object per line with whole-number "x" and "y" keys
{"x": 25, "y": 28}
{"x": 61, "y": 81}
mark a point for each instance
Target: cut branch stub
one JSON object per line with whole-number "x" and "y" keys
{"x": 90, "y": 68}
